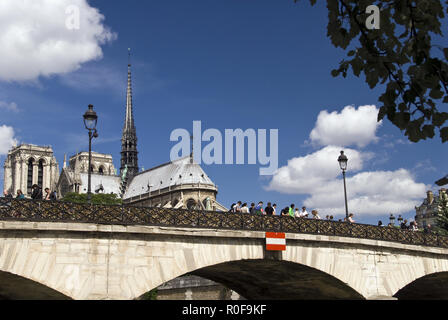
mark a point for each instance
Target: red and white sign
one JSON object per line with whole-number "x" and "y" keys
{"x": 275, "y": 241}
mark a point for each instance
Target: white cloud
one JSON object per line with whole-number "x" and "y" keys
{"x": 349, "y": 127}
{"x": 304, "y": 174}
{"x": 7, "y": 139}
{"x": 12, "y": 106}
{"x": 36, "y": 42}
{"x": 318, "y": 175}
{"x": 377, "y": 192}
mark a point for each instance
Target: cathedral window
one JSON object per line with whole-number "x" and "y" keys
{"x": 191, "y": 204}
{"x": 30, "y": 175}
{"x": 40, "y": 173}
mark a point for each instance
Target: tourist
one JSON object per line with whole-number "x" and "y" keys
{"x": 413, "y": 226}
{"x": 20, "y": 194}
{"x": 37, "y": 192}
{"x": 291, "y": 210}
{"x": 259, "y": 208}
{"x": 252, "y": 208}
{"x": 428, "y": 229}
{"x": 331, "y": 218}
{"x": 404, "y": 225}
{"x": 297, "y": 213}
{"x": 303, "y": 213}
{"x": 350, "y": 218}
{"x": 269, "y": 211}
{"x": 237, "y": 207}
{"x": 231, "y": 207}
{"x": 244, "y": 208}
{"x": 380, "y": 224}
{"x": 316, "y": 215}
{"x": 274, "y": 206}
{"x": 47, "y": 194}
{"x": 6, "y": 194}
{"x": 327, "y": 217}
{"x": 285, "y": 212}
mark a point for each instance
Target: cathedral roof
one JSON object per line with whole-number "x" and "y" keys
{"x": 173, "y": 173}
{"x": 108, "y": 184}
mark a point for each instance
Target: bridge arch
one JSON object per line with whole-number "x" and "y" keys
{"x": 433, "y": 286}
{"x": 277, "y": 280}
{"x": 248, "y": 271}
{"x": 15, "y": 287}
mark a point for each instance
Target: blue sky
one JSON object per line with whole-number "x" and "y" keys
{"x": 230, "y": 64}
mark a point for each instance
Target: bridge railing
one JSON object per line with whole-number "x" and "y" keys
{"x": 57, "y": 211}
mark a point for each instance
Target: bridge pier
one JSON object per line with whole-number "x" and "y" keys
{"x": 273, "y": 255}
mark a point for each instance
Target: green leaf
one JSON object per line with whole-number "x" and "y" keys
{"x": 439, "y": 118}
{"x": 428, "y": 131}
{"x": 444, "y": 134}
{"x": 436, "y": 93}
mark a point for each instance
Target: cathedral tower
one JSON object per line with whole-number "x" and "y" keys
{"x": 129, "y": 153}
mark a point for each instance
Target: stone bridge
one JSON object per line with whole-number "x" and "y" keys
{"x": 83, "y": 260}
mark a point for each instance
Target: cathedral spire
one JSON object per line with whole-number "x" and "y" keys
{"x": 129, "y": 121}
{"x": 129, "y": 153}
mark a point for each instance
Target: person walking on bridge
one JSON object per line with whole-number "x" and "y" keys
{"x": 269, "y": 211}
{"x": 37, "y": 193}
{"x": 291, "y": 210}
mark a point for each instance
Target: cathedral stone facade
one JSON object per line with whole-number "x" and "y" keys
{"x": 27, "y": 165}
{"x": 74, "y": 177}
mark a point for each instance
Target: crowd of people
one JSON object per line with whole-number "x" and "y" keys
{"x": 271, "y": 210}
{"x": 292, "y": 211}
{"x": 239, "y": 207}
{"x": 36, "y": 194}
{"x": 412, "y": 226}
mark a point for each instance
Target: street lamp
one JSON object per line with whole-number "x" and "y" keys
{"x": 392, "y": 219}
{"x": 90, "y": 122}
{"x": 343, "y": 164}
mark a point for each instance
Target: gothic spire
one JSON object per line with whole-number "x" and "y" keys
{"x": 129, "y": 153}
{"x": 129, "y": 121}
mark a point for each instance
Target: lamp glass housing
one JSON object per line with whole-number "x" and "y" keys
{"x": 90, "y": 118}
{"x": 392, "y": 218}
{"x": 343, "y": 161}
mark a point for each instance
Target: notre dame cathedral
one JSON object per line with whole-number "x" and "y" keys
{"x": 177, "y": 184}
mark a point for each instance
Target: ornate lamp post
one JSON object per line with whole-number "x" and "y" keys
{"x": 392, "y": 219}
{"x": 343, "y": 164}
{"x": 90, "y": 121}
{"x": 400, "y": 219}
